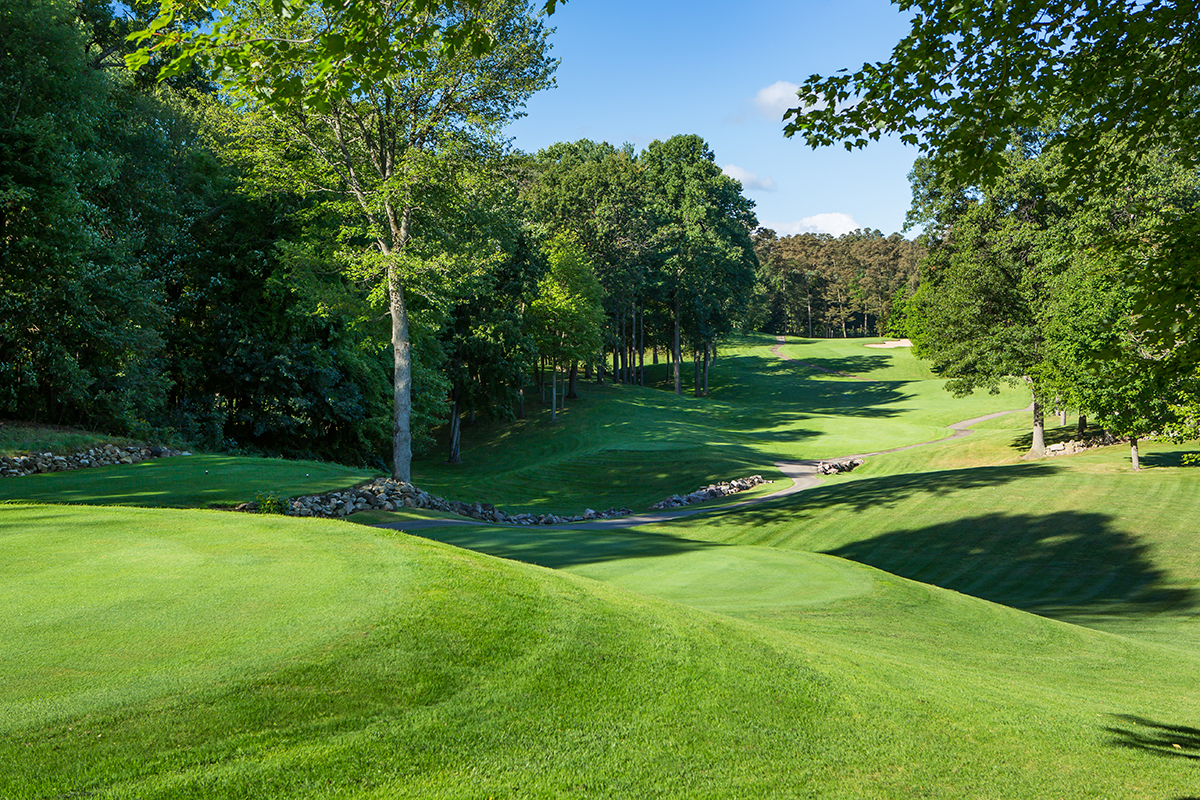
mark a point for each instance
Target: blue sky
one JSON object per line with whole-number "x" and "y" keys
{"x": 639, "y": 71}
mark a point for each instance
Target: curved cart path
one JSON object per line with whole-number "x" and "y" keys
{"x": 803, "y": 475}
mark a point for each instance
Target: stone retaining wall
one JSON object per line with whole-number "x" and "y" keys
{"x": 385, "y": 494}
{"x": 104, "y": 456}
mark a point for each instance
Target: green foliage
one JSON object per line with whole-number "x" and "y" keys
{"x": 350, "y": 48}
{"x": 818, "y": 285}
{"x": 271, "y": 501}
{"x": 970, "y": 74}
{"x": 566, "y": 312}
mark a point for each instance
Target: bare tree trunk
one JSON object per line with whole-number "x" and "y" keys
{"x": 1038, "y": 448}
{"x": 1062, "y": 415}
{"x": 707, "y": 362}
{"x": 455, "y": 456}
{"x": 553, "y": 392}
{"x": 573, "y": 384}
{"x": 616, "y": 363}
{"x": 642, "y": 348}
{"x": 654, "y": 356}
{"x": 1133, "y": 453}
{"x": 521, "y": 401}
{"x": 622, "y": 375}
{"x": 401, "y": 372}
{"x": 1082, "y": 426}
{"x": 696, "y": 371}
{"x": 675, "y": 349}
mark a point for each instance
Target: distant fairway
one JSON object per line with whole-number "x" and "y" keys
{"x": 867, "y": 638}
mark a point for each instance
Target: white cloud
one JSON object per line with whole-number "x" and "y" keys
{"x": 750, "y": 182}
{"x": 834, "y": 223}
{"x": 773, "y": 100}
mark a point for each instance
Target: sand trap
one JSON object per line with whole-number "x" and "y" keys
{"x": 895, "y": 343}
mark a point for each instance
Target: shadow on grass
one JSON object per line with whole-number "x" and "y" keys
{"x": 556, "y": 548}
{"x": 773, "y": 387}
{"x": 1169, "y": 459}
{"x": 886, "y": 491}
{"x": 1159, "y": 738}
{"x": 1066, "y": 564}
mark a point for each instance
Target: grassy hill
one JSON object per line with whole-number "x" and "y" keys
{"x": 869, "y": 638}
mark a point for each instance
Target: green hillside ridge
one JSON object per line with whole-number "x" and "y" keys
{"x": 867, "y": 638}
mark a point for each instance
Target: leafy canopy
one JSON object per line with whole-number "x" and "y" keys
{"x": 353, "y": 45}
{"x": 970, "y": 72}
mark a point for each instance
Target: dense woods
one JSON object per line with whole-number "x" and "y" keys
{"x": 817, "y": 285}
{"x": 186, "y": 259}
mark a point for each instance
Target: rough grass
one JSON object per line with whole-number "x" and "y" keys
{"x": 23, "y": 438}
{"x": 197, "y": 481}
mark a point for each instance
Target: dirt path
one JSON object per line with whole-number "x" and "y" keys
{"x": 803, "y": 475}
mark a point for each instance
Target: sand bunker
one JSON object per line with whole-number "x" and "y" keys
{"x": 895, "y": 343}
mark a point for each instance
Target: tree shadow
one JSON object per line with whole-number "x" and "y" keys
{"x": 1172, "y": 458}
{"x": 1158, "y": 738}
{"x": 888, "y": 490}
{"x": 557, "y": 548}
{"x": 1068, "y": 564}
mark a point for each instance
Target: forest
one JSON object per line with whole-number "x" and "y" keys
{"x": 194, "y": 257}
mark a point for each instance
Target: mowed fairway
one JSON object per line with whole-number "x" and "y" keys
{"x": 868, "y": 638}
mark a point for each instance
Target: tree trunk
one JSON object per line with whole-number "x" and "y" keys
{"x": 401, "y": 371}
{"x": 696, "y": 372}
{"x": 1082, "y": 426}
{"x": 573, "y": 384}
{"x": 654, "y": 356}
{"x": 455, "y": 456}
{"x": 521, "y": 401}
{"x": 642, "y": 348}
{"x": 553, "y": 393}
{"x": 1038, "y": 448}
{"x": 1133, "y": 453}
{"x": 675, "y": 349}
{"x": 708, "y": 357}
{"x": 616, "y": 363}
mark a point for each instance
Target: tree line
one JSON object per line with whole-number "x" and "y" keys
{"x": 818, "y": 285}
{"x": 322, "y": 274}
{"x": 1030, "y": 280}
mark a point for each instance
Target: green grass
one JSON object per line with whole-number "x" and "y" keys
{"x": 197, "y": 481}
{"x": 868, "y": 638}
{"x": 628, "y": 446}
{"x": 21, "y": 438}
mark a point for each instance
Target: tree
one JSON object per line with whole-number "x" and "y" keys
{"x": 969, "y": 74}
{"x": 80, "y": 321}
{"x": 976, "y": 312}
{"x": 567, "y": 312}
{"x": 377, "y": 101}
{"x": 702, "y": 245}
{"x": 598, "y": 192}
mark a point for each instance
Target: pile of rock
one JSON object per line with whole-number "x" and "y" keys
{"x": 105, "y": 456}
{"x": 710, "y": 492}
{"x": 1098, "y": 439}
{"x": 834, "y": 467}
{"x": 385, "y": 494}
